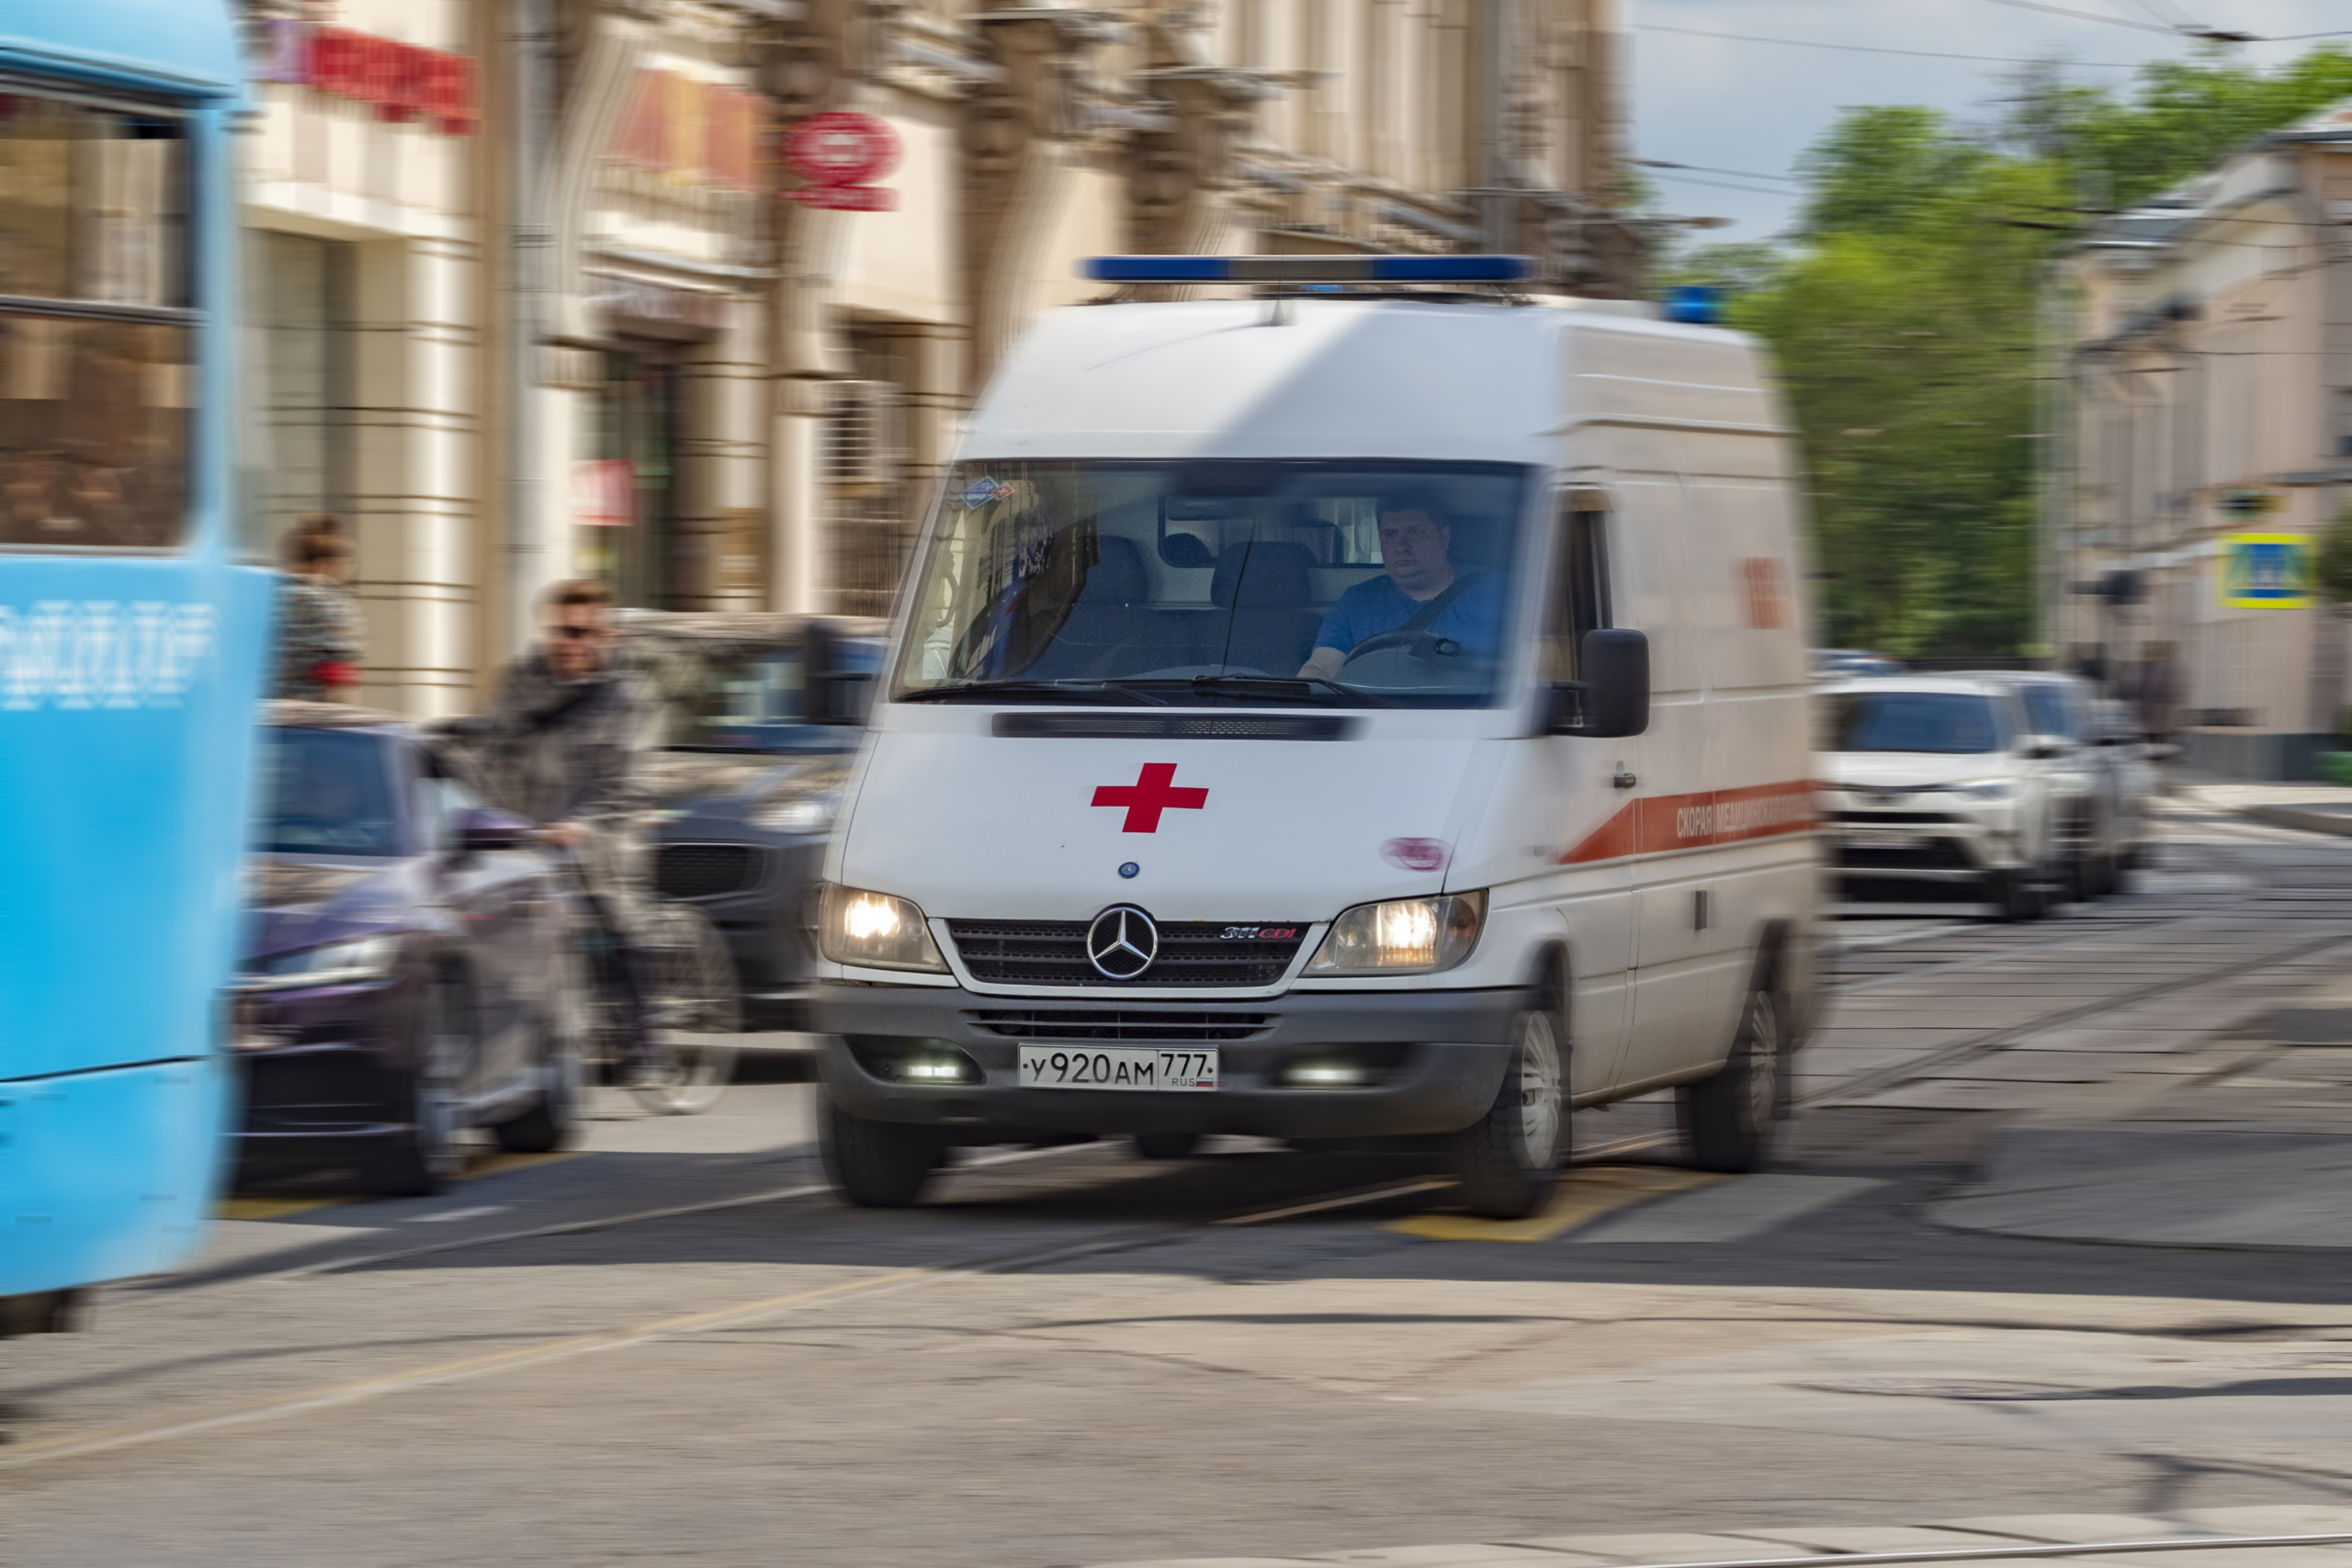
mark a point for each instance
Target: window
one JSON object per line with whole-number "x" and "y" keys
{"x": 1578, "y": 602}
{"x": 1352, "y": 582}
{"x": 329, "y": 793}
{"x": 1944, "y": 723}
{"x": 2047, "y": 709}
{"x": 96, "y": 366}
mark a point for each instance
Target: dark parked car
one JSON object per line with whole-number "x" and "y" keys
{"x": 753, "y": 754}
{"x": 407, "y": 971}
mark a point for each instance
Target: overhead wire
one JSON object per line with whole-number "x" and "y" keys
{"x": 1873, "y": 49}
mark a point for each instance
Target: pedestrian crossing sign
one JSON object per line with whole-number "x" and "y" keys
{"x": 2267, "y": 571}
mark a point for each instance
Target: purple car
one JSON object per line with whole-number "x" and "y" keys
{"x": 409, "y": 972}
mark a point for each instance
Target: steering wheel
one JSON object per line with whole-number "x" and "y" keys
{"x": 1393, "y": 659}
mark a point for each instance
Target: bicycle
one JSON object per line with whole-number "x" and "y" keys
{"x": 692, "y": 997}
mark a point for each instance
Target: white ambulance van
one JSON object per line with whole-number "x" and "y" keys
{"x": 1373, "y": 718}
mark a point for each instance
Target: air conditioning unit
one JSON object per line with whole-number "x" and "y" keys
{"x": 865, "y": 440}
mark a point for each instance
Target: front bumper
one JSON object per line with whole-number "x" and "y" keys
{"x": 1457, "y": 1051}
{"x": 1950, "y": 842}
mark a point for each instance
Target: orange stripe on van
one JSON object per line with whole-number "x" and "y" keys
{"x": 1710, "y": 816}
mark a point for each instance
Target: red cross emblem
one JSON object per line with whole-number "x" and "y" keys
{"x": 1153, "y": 792}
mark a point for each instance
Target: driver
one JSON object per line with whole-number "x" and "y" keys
{"x": 1417, "y": 548}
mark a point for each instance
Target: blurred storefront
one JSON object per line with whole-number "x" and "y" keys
{"x": 365, "y": 376}
{"x": 2208, "y": 450}
{"x": 689, "y": 294}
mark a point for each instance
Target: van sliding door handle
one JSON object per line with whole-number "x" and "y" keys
{"x": 1623, "y": 780}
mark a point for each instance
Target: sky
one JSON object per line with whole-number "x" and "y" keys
{"x": 1753, "y": 107}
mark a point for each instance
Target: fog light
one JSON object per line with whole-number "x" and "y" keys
{"x": 1328, "y": 1075}
{"x": 935, "y": 1062}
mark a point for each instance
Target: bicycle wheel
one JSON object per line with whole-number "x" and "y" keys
{"x": 691, "y": 981}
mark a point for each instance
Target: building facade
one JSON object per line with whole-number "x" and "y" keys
{"x": 365, "y": 377}
{"x": 542, "y": 289}
{"x": 2207, "y": 448}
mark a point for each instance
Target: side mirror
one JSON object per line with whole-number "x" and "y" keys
{"x": 1613, "y": 698}
{"x": 2042, "y": 749}
{"x": 835, "y": 694}
{"x": 482, "y": 828}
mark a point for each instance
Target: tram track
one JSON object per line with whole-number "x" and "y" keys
{"x": 1019, "y": 1259}
{"x": 1868, "y": 1081}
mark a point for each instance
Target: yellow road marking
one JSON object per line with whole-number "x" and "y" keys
{"x": 479, "y": 1163}
{"x": 1583, "y": 1197}
{"x": 269, "y": 1207}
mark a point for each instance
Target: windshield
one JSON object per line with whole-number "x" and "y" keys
{"x": 329, "y": 793}
{"x": 1952, "y": 723}
{"x": 756, "y": 701}
{"x": 1357, "y": 584}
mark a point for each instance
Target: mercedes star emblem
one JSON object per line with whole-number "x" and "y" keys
{"x": 1122, "y": 943}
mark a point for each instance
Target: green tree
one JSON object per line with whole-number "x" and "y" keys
{"x": 1904, "y": 318}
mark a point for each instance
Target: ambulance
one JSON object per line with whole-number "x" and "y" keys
{"x": 1371, "y": 713}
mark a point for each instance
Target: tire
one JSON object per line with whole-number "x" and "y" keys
{"x": 553, "y": 1119}
{"x": 423, "y": 1156}
{"x": 2016, "y": 896}
{"x": 1728, "y": 1119}
{"x": 1168, "y": 1145}
{"x": 878, "y": 1165}
{"x": 1509, "y": 1159}
{"x": 694, "y": 991}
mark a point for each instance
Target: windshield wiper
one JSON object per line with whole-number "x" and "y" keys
{"x": 1032, "y": 691}
{"x": 1301, "y": 687}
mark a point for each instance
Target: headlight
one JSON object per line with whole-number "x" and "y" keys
{"x": 797, "y": 813}
{"x": 876, "y": 930}
{"x": 1402, "y": 936}
{"x": 1986, "y": 789}
{"x": 336, "y": 964}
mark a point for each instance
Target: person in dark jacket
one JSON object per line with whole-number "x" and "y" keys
{"x": 564, "y": 747}
{"x": 321, "y": 636}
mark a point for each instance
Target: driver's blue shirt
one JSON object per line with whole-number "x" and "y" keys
{"x": 1376, "y": 605}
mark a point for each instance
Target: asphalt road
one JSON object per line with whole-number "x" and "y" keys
{"x": 1077, "y": 1357}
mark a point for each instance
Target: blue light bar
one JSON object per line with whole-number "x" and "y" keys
{"x": 1305, "y": 269}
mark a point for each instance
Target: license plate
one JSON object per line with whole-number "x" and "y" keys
{"x": 1881, "y": 838}
{"x": 1124, "y": 1066}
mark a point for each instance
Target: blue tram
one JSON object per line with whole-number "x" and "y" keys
{"x": 131, "y": 642}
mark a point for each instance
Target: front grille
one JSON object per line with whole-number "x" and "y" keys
{"x": 1889, "y": 817}
{"x": 705, "y": 870}
{"x": 1029, "y": 1023}
{"x": 1939, "y": 855}
{"x": 1053, "y": 953}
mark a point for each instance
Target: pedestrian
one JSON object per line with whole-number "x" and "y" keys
{"x": 2155, "y": 691}
{"x": 321, "y": 634}
{"x": 563, "y": 747}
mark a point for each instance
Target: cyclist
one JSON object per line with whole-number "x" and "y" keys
{"x": 563, "y": 748}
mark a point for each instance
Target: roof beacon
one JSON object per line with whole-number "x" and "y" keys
{"x": 1306, "y": 269}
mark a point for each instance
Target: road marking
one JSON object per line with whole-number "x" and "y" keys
{"x": 270, "y": 1208}
{"x": 1732, "y": 1211}
{"x": 478, "y": 1164}
{"x": 1581, "y": 1199}
{"x": 473, "y": 1214}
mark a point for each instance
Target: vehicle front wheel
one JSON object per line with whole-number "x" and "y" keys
{"x": 1168, "y": 1145}
{"x": 553, "y": 1119}
{"x": 1728, "y": 1119}
{"x": 2016, "y": 896}
{"x": 878, "y": 1165}
{"x": 422, "y": 1157}
{"x": 1509, "y": 1159}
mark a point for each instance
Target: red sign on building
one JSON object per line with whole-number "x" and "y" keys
{"x": 840, "y": 155}
{"x": 405, "y": 82}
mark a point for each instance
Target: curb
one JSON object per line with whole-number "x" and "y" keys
{"x": 2336, "y": 822}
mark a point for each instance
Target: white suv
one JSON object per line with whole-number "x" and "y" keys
{"x": 1940, "y": 779}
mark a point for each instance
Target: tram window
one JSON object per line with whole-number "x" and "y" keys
{"x": 92, "y": 204}
{"x": 95, "y": 424}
